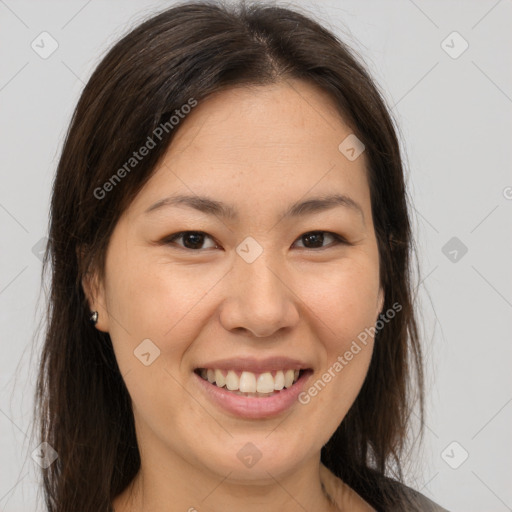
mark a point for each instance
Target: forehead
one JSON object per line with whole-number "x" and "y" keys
{"x": 277, "y": 117}
{"x": 277, "y": 140}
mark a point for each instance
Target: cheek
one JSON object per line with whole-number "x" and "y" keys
{"x": 345, "y": 301}
{"x": 344, "y": 312}
{"x": 161, "y": 303}
{"x": 151, "y": 299}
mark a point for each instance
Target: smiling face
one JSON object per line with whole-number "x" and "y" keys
{"x": 255, "y": 287}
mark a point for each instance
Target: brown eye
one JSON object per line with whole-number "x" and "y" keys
{"x": 192, "y": 240}
{"x": 315, "y": 239}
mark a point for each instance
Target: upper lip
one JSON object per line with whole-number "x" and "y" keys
{"x": 254, "y": 365}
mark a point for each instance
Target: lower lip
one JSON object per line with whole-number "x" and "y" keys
{"x": 252, "y": 407}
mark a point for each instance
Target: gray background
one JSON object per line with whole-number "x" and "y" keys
{"x": 455, "y": 120}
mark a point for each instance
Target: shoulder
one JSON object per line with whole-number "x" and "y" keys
{"x": 420, "y": 501}
{"x": 409, "y": 498}
{"x": 347, "y": 499}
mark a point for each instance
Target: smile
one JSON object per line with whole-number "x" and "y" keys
{"x": 252, "y": 396}
{"x": 250, "y": 384}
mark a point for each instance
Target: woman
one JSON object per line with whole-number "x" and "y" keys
{"x": 230, "y": 318}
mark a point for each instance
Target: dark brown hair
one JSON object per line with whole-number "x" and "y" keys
{"x": 188, "y": 51}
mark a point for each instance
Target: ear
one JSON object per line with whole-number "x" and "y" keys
{"x": 380, "y": 302}
{"x": 94, "y": 291}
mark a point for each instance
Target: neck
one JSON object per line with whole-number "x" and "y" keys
{"x": 194, "y": 490}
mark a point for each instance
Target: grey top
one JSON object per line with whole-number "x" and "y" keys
{"x": 335, "y": 488}
{"x": 422, "y": 502}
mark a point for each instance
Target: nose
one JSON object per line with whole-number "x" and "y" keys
{"x": 259, "y": 298}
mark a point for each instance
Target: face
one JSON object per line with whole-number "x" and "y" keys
{"x": 264, "y": 289}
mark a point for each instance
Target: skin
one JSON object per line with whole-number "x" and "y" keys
{"x": 259, "y": 149}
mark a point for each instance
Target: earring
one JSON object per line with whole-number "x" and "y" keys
{"x": 94, "y": 317}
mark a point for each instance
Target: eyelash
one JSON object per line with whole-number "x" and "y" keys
{"x": 338, "y": 239}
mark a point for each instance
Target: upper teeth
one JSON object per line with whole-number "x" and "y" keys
{"x": 249, "y": 382}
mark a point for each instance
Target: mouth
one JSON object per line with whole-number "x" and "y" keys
{"x": 250, "y": 384}
{"x": 261, "y": 394}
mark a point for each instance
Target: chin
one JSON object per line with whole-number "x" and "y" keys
{"x": 257, "y": 460}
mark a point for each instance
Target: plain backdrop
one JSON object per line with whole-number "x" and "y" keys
{"x": 445, "y": 71}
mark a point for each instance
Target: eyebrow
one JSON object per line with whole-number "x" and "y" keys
{"x": 297, "y": 209}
